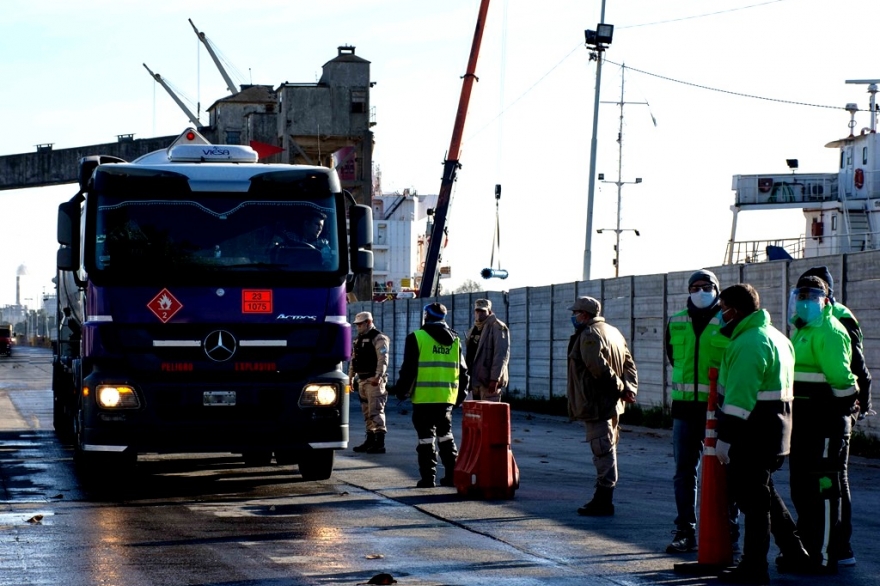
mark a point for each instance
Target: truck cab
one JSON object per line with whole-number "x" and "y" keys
{"x": 209, "y": 292}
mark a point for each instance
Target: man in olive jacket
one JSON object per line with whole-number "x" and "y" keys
{"x": 601, "y": 378}
{"x": 488, "y": 353}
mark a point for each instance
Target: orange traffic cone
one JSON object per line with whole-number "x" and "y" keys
{"x": 714, "y": 552}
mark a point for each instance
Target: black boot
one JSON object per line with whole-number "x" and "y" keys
{"x": 448, "y": 454}
{"x": 427, "y": 465}
{"x": 371, "y": 438}
{"x": 378, "y": 446}
{"x": 601, "y": 505}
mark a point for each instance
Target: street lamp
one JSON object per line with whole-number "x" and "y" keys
{"x": 597, "y": 40}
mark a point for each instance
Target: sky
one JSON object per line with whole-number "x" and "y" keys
{"x": 735, "y": 87}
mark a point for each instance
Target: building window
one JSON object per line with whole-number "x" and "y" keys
{"x": 358, "y": 102}
{"x": 233, "y": 137}
{"x": 834, "y": 223}
{"x": 864, "y": 155}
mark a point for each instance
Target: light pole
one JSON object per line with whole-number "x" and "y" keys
{"x": 598, "y": 40}
{"x": 618, "y": 229}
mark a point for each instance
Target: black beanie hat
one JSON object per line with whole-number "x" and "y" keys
{"x": 704, "y": 275}
{"x": 824, "y": 274}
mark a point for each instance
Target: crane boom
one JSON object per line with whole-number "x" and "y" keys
{"x": 213, "y": 55}
{"x": 430, "y": 276}
{"x": 192, "y": 117}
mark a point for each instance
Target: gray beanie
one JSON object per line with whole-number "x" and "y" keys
{"x": 704, "y": 275}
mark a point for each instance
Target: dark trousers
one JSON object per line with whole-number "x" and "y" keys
{"x": 688, "y": 434}
{"x": 749, "y": 477}
{"x": 434, "y": 420}
{"x": 819, "y": 447}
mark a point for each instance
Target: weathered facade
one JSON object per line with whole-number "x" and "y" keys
{"x": 309, "y": 121}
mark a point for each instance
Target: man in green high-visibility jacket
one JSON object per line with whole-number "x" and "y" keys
{"x": 435, "y": 374}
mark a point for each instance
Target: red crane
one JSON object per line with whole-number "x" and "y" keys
{"x": 430, "y": 276}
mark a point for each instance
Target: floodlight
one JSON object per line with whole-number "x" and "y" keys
{"x": 604, "y": 32}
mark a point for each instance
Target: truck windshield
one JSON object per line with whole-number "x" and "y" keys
{"x": 159, "y": 224}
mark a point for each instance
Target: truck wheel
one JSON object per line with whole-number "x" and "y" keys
{"x": 102, "y": 471}
{"x": 285, "y": 457}
{"x": 257, "y": 458}
{"x": 316, "y": 464}
{"x": 62, "y": 413}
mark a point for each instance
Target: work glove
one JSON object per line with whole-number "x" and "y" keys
{"x": 722, "y": 451}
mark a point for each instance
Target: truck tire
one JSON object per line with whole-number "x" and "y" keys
{"x": 257, "y": 458}
{"x": 285, "y": 457}
{"x": 316, "y": 464}
{"x": 101, "y": 471}
{"x": 62, "y": 411}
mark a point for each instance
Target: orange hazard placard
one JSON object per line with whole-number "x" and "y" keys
{"x": 256, "y": 301}
{"x": 165, "y": 305}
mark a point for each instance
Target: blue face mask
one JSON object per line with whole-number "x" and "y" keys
{"x": 574, "y": 321}
{"x": 809, "y": 310}
{"x": 724, "y": 322}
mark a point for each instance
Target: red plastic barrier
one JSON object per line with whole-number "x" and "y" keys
{"x": 485, "y": 467}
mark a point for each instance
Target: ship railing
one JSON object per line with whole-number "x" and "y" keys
{"x": 751, "y": 251}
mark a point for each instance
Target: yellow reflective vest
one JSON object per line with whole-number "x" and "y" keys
{"x": 437, "y": 379}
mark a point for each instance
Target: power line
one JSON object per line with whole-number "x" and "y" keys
{"x": 699, "y": 15}
{"x": 522, "y": 95}
{"x": 729, "y": 92}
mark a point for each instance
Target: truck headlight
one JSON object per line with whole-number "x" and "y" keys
{"x": 318, "y": 395}
{"x": 117, "y": 397}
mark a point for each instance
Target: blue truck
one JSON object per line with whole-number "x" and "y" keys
{"x": 202, "y": 308}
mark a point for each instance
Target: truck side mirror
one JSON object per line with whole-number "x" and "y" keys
{"x": 65, "y": 259}
{"x": 68, "y": 217}
{"x": 360, "y": 240}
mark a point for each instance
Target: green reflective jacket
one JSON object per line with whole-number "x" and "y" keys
{"x": 823, "y": 352}
{"x": 691, "y": 354}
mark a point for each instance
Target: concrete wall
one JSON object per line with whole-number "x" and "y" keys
{"x": 639, "y": 306}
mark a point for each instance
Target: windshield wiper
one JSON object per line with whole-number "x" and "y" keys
{"x": 253, "y": 265}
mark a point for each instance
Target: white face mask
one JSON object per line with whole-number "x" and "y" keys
{"x": 702, "y": 299}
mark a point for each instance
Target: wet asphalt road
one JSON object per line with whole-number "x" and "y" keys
{"x": 210, "y": 520}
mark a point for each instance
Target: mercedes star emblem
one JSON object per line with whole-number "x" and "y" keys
{"x": 219, "y": 345}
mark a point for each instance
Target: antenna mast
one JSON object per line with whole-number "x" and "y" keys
{"x": 620, "y": 183}
{"x": 872, "y": 89}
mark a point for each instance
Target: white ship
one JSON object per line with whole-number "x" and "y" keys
{"x": 842, "y": 209}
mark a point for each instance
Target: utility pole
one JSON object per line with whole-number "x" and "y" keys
{"x": 620, "y": 183}
{"x": 598, "y": 39}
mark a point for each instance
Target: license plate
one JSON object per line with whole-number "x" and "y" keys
{"x": 218, "y": 399}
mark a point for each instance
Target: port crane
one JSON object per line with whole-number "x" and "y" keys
{"x": 431, "y": 275}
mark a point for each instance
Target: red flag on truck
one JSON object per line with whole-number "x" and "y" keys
{"x": 264, "y": 149}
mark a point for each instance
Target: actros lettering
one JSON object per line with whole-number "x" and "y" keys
{"x": 285, "y": 317}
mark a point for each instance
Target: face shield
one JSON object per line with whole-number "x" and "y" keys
{"x": 805, "y": 303}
